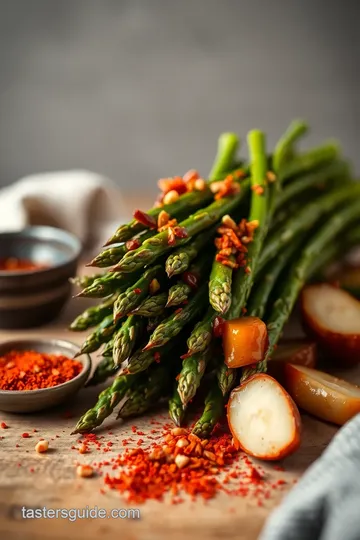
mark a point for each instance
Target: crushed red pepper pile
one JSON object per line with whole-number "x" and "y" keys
{"x": 12, "y": 264}
{"x": 173, "y": 462}
{"x": 31, "y": 370}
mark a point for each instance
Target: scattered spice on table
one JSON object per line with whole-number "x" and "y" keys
{"x": 31, "y": 370}
{"x": 12, "y": 264}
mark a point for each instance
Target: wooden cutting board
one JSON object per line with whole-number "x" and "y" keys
{"x": 32, "y": 480}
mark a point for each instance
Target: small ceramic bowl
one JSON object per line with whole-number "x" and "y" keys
{"x": 27, "y": 401}
{"x": 35, "y": 297}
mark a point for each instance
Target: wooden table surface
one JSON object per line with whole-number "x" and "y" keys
{"x": 34, "y": 480}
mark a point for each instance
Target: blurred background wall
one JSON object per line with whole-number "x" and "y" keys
{"x": 138, "y": 89}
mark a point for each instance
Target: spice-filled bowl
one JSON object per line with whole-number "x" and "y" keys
{"x": 35, "y": 266}
{"x": 38, "y": 374}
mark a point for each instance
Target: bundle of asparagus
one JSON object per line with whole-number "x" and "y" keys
{"x": 244, "y": 241}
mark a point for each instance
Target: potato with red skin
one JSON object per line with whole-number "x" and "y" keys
{"x": 325, "y": 396}
{"x": 301, "y": 352}
{"x": 263, "y": 419}
{"x": 245, "y": 341}
{"x": 331, "y": 316}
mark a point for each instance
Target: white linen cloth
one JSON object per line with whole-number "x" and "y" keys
{"x": 79, "y": 201}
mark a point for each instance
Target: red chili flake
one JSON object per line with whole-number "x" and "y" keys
{"x": 17, "y": 445}
{"x": 26, "y": 435}
{"x": 191, "y": 175}
{"x": 281, "y": 482}
{"x": 109, "y": 443}
{"x": 145, "y": 219}
{"x": 180, "y": 232}
{"x": 140, "y": 442}
{"x": 32, "y": 469}
{"x": 133, "y": 429}
{"x": 171, "y": 236}
{"x": 132, "y": 244}
{"x": 4, "y": 426}
{"x": 157, "y": 357}
{"x": 137, "y": 291}
{"x": 179, "y": 310}
{"x": 35, "y": 430}
{"x": 191, "y": 279}
{"x": 218, "y": 326}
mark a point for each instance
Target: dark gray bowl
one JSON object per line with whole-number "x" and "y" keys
{"x": 44, "y": 398}
{"x": 33, "y": 298}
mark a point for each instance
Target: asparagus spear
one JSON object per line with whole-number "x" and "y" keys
{"x": 193, "y": 369}
{"x": 198, "y": 271}
{"x": 180, "y": 260}
{"x": 259, "y": 211}
{"x": 178, "y": 294}
{"x": 305, "y": 219}
{"x": 176, "y": 411}
{"x": 101, "y": 334}
{"x": 105, "y": 369}
{"x": 214, "y": 408}
{"x": 187, "y": 203}
{"x": 284, "y": 148}
{"x": 108, "y": 348}
{"x": 228, "y": 145}
{"x": 147, "y": 392}
{"x": 93, "y": 315}
{"x": 141, "y": 360}
{"x": 308, "y": 161}
{"x": 298, "y": 274}
{"x": 200, "y": 338}
{"x": 320, "y": 177}
{"x": 107, "y": 284}
{"x": 226, "y": 378}
{"x": 220, "y": 286}
{"x": 152, "y": 305}
{"x": 85, "y": 281}
{"x": 173, "y": 325}
{"x": 113, "y": 254}
{"x": 125, "y": 338}
{"x": 107, "y": 401}
{"x": 132, "y": 297}
{"x": 158, "y": 245}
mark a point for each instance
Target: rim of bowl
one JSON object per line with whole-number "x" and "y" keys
{"x": 86, "y": 365}
{"x": 61, "y": 235}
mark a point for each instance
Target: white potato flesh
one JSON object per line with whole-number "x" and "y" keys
{"x": 332, "y": 309}
{"x": 261, "y": 417}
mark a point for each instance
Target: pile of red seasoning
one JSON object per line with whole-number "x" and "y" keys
{"x": 31, "y": 370}
{"x": 12, "y": 264}
{"x": 180, "y": 465}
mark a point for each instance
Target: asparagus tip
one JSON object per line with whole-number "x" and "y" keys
{"x": 149, "y": 346}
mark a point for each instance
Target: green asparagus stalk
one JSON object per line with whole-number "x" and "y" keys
{"x": 319, "y": 178}
{"x": 226, "y": 378}
{"x": 176, "y": 411}
{"x": 220, "y": 286}
{"x": 101, "y": 334}
{"x": 178, "y": 294}
{"x": 299, "y": 273}
{"x": 107, "y": 401}
{"x": 107, "y": 284}
{"x": 85, "y": 281}
{"x": 284, "y": 148}
{"x": 155, "y": 247}
{"x": 132, "y": 297}
{"x": 180, "y": 260}
{"x": 187, "y": 203}
{"x": 113, "y": 254}
{"x": 309, "y": 161}
{"x": 105, "y": 369}
{"x": 108, "y": 348}
{"x": 305, "y": 218}
{"x": 228, "y": 145}
{"x": 193, "y": 369}
{"x": 259, "y": 211}
{"x": 147, "y": 392}
{"x": 125, "y": 338}
{"x": 152, "y": 305}
{"x": 200, "y": 338}
{"x": 214, "y": 409}
{"x": 173, "y": 325}
{"x": 93, "y": 315}
{"x": 140, "y": 360}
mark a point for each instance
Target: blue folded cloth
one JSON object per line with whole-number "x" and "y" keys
{"x": 325, "y": 504}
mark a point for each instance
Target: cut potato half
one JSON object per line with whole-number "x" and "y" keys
{"x": 294, "y": 351}
{"x": 332, "y": 317}
{"x": 321, "y": 394}
{"x": 263, "y": 418}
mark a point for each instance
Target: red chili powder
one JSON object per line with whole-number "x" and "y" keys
{"x": 12, "y": 264}
{"x": 31, "y": 370}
